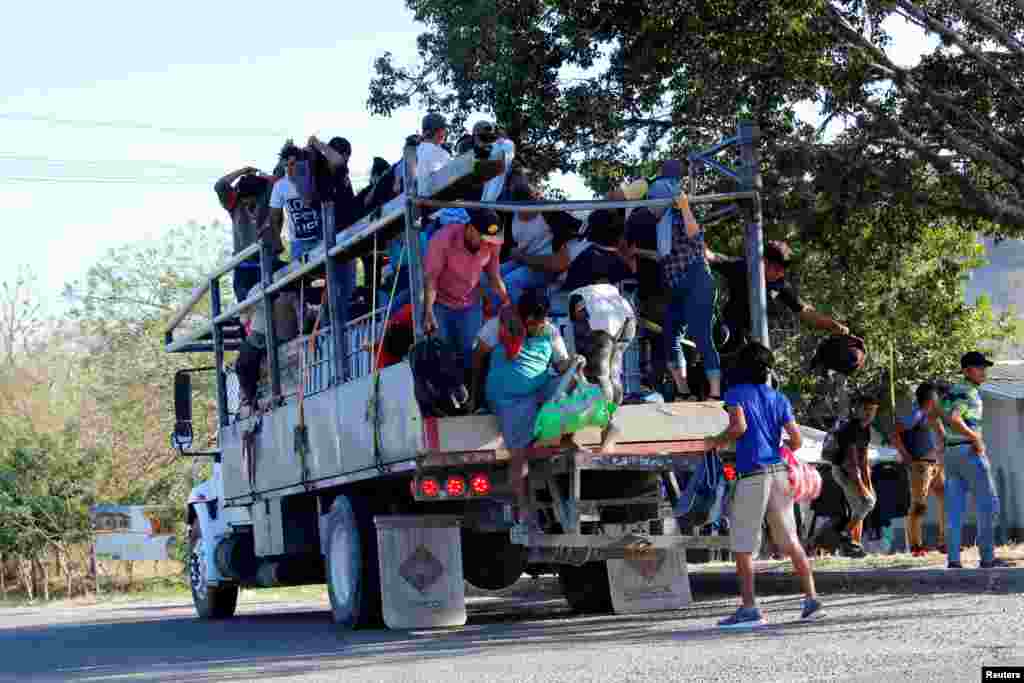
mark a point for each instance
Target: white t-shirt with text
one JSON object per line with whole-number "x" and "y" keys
{"x": 303, "y": 221}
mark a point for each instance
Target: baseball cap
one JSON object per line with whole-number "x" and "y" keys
{"x": 975, "y": 359}
{"x": 486, "y": 221}
{"x": 433, "y": 121}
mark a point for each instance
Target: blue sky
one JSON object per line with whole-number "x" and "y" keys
{"x": 210, "y": 67}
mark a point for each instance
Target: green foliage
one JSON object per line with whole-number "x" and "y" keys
{"x": 47, "y": 483}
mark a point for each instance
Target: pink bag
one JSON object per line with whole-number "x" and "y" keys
{"x": 804, "y": 479}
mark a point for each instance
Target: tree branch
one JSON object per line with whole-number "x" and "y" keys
{"x": 959, "y": 41}
{"x": 991, "y": 25}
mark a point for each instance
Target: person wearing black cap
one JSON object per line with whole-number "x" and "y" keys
{"x": 777, "y": 259}
{"x": 457, "y": 255}
{"x": 430, "y": 155}
{"x": 966, "y": 463}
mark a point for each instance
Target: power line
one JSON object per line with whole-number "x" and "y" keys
{"x": 139, "y": 125}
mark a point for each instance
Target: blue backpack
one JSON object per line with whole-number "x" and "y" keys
{"x": 707, "y": 483}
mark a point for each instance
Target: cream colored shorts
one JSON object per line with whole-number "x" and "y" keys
{"x": 757, "y": 497}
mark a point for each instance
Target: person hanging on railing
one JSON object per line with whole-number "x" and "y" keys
{"x": 686, "y": 274}
{"x": 457, "y": 255}
{"x": 777, "y": 259}
{"x": 294, "y": 193}
{"x": 246, "y": 203}
{"x": 338, "y": 182}
{"x": 608, "y": 259}
{"x": 604, "y": 324}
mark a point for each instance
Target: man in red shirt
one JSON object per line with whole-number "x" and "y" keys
{"x": 456, "y": 257}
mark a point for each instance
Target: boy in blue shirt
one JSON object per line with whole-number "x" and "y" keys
{"x": 757, "y": 417}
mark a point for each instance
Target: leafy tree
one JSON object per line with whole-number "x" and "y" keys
{"x": 122, "y": 309}
{"x": 602, "y": 87}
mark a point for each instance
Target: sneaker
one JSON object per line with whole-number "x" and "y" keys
{"x": 917, "y": 551}
{"x": 995, "y": 564}
{"x": 744, "y": 617}
{"x": 812, "y": 610}
{"x": 852, "y": 551}
{"x": 954, "y": 565}
{"x": 941, "y": 549}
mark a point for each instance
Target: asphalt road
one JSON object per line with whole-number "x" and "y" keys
{"x": 876, "y": 638}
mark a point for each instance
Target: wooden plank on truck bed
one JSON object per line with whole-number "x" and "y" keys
{"x": 641, "y": 424}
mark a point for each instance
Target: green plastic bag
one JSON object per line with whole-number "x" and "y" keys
{"x": 584, "y": 407}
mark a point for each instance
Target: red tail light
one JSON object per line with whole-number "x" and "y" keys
{"x": 455, "y": 486}
{"x": 480, "y": 484}
{"x": 429, "y": 487}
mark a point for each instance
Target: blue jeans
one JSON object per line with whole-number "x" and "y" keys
{"x": 966, "y": 471}
{"x": 692, "y": 310}
{"x": 518, "y": 278}
{"x": 458, "y": 328}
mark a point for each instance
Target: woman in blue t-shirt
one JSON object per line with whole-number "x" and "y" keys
{"x": 758, "y": 415}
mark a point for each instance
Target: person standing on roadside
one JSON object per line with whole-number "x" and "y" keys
{"x": 758, "y": 415}
{"x": 919, "y": 439}
{"x": 967, "y": 466}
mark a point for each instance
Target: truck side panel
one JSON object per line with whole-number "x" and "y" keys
{"x": 340, "y": 429}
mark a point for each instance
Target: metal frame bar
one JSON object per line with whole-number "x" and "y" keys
{"x": 412, "y": 242}
{"x": 748, "y": 138}
{"x": 585, "y": 205}
{"x": 218, "y": 352}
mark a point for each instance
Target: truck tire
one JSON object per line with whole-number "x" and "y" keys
{"x": 211, "y": 602}
{"x": 586, "y": 587}
{"x": 353, "y": 572}
{"x": 490, "y": 561}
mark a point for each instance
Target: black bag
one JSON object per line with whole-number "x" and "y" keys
{"x": 439, "y": 381}
{"x": 892, "y": 485}
{"x": 838, "y": 353}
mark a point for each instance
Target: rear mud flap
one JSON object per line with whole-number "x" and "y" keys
{"x": 650, "y": 581}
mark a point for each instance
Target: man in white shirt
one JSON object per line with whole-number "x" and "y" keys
{"x": 430, "y": 155}
{"x": 486, "y": 136}
{"x": 305, "y": 228}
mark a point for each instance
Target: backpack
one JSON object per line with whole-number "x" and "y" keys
{"x": 836, "y": 354}
{"x": 438, "y": 380}
{"x": 706, "y": 485}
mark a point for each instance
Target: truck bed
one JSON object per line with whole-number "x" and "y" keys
{"x": 646, "y": 429}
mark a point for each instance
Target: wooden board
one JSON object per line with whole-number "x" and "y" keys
{"x": 644, "y": 423}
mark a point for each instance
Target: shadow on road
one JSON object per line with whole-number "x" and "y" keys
{"x": 262, "y": 645}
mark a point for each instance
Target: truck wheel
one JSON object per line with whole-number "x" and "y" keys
{"x": 586, "y": 588}
{"x": 212, "y": 602}
{"x": 491, "y": 561}
{"x": 353, "y": 572}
